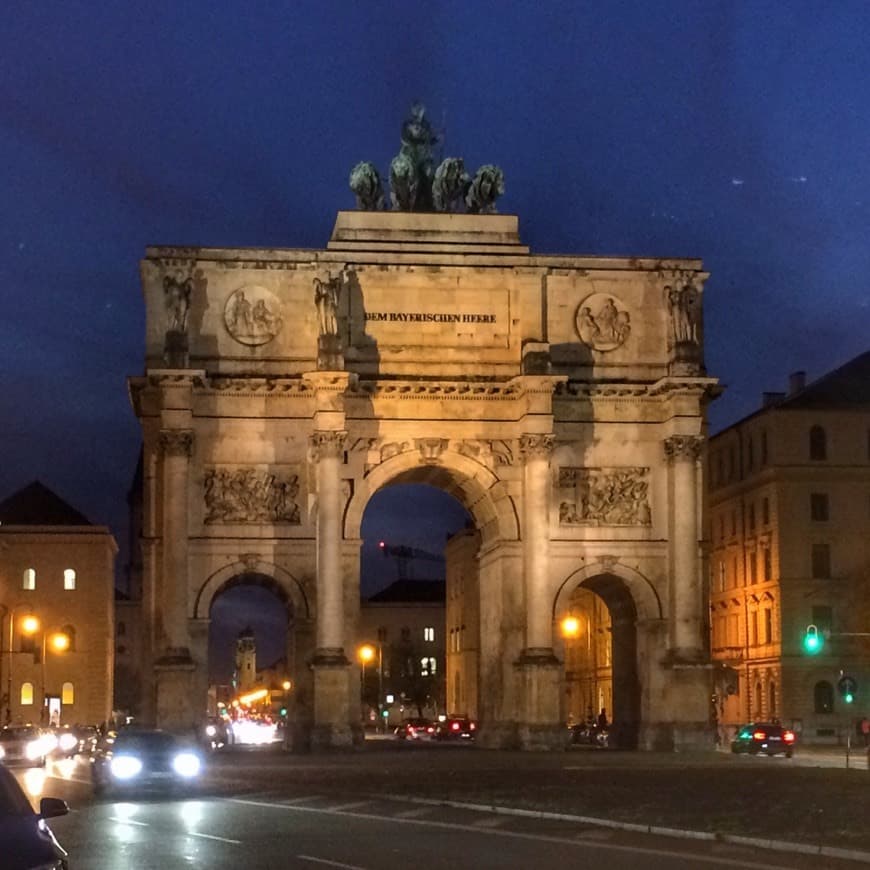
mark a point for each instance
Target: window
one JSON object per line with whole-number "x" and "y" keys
{"x": 754, "y": 625}
{"x": 69, "y": 579}
{"x": 720, "y": 469}
{"x": 768, "y": 625}
{"x": 819, "y": 507}
{"x": 753, "y": 568}
{"x": 765, "y": 512}
{"x": 823, "y": 619}
{"x": 28, "y": 581}
{"x": 429, "y": 634}
{"x": 771, "y": 702}
{"x": 750, "y": 454}
{"x": 427, "y": 666}
{"x": 721, "y": 529}
{"x": 733, "y": 523}
{"x": 818, "y": 443}
{"x": 26, "y": 694}
{"x": 821, "y": 561}
{"x": 752, "y": 519}
{"x": 731, "y": 465}
{"x": 768, "y": 565}
{"x": 721, "y": 576}
{"x": 764, "y": 448}
{"x": 758, "y": 711}
{"x": 67, "y": 694}
{"x": 736, "y": 573}
{"x": 823, "y": 697}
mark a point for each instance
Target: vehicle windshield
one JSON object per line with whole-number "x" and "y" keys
{"x": 18, "y": 734}
{"x": 145, "y": 742}
{"x": 12, "y": 800}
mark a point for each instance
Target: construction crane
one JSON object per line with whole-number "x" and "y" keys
{"x": 405, "y": 555}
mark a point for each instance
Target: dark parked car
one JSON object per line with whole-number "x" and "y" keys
{"x": 767, "y": 738}
{"x": 591, "y": 734}
{"x": 414, "y": 729}
{"x": 26, "y": 841}
{"x": 141, "y": 759}
{"x": 456, "y": 728}
{"x": 24, "y": 746}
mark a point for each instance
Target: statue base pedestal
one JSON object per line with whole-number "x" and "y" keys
{"x": 329, "y": 355}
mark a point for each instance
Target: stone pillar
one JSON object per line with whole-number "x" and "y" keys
{"x": 332, "y": 713}
{"x": 687, "y": 603}
{"x": 173, "y": 665}
{"x": 538, "y": 668}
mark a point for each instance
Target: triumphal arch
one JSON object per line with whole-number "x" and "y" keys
{"x": 560, "y": 398}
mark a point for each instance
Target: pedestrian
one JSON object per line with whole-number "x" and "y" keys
{"x": 865, "y": 730}
{"x": 601, "y": 722}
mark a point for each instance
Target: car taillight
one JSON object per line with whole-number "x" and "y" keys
{"x": 758, "y": 735}
{"x": 454, "y": 726}
{"x": 472, "y": 726}
{"x": 788, "y": 736}
{"x": 430, "y": 729}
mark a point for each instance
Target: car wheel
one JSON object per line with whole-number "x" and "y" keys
{"x": 788, "y": 753}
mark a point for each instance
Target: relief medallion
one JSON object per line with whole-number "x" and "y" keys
{"x": 253, "y": 315}
{"x": 602, "y": 324}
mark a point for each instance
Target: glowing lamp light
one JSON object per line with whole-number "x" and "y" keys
{"x": 59, "y": 642}
{"x": 570, "y": 626}
{"x": 286, "y": 685}
{"x": 366, "y": 653}
{"x": 30, "y": 624}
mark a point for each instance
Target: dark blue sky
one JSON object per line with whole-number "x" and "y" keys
{"x": 734, "y": 132}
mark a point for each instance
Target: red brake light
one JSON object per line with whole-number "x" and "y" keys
{"x": 758, "y": 735}
{"x": 430, "y": 729}
{"x": 788, "y": 736}
{"x": 472, "y": 726}
{"x": 454, "y": 726}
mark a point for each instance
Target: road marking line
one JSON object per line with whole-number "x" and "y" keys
{"x": 299, "y": 800}
{"x": 339, "y": 808}
{"x": 497, "y": 822}
{"x": 414, "y": 814}
{"x": 128, "y": 821}
{"x": 330, "y": 863}
{"x": 213, "y": 837}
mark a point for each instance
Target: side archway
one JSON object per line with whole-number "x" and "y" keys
{"x": 480, "y": 491}
{"x": 285, "y": 584}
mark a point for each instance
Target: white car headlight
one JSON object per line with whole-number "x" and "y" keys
{"x": 186, "y": 764}
{"x": 67, "y": 742}
{"x": 210, "y": 731}
{"x": 2, "y": 752}
{"x": 125, "y": 766}
{"x": 34, "y": 749}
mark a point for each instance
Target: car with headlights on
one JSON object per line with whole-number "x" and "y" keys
{"x": 764, "y": 738}
{"x": 143, "y": 760}
{"x": 26, "y": 841}
{"x": 24, "y": 746}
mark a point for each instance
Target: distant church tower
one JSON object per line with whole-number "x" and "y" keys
{"x": 246, "y": 660}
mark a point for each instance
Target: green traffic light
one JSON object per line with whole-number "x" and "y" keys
{"x": 813, "y": 641}
{"x": 848, "y": 697}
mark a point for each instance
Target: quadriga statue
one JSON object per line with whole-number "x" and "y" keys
{"x": 403, "y": 183}
{"x": 486, "y": 187}
{"x": 365, "y": 182}
{"x": 450, "y": 184}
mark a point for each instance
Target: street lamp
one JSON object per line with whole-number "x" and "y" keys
{"x": 366, "y": 654}
{"x": 29, "y": 625}
{"x": 570, "y": 627}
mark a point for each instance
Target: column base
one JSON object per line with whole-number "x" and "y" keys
{"x": 678, "y": 737}
{"x": 326, "y": 736}
{"x": 174, "y": 674}
{"x": 497, "y": 735}
{"x": 332, "y": 727}
{"x": 540, "y": 726}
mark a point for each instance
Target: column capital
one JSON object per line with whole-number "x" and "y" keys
{"x": 176, "y": 442}
{"x": 540, "y": 446}
{"x": 683, "y": 447}
{"x": 328, "y": 444}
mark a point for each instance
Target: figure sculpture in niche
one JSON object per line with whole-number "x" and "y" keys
{"x": 326, "y": 299}
{"x": 176, "y": 296}
{"x": 684, "y": 310}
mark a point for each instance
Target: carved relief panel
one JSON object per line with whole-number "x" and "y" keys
{"x": 604, "y": 496}
{"x": 251, "y": 494}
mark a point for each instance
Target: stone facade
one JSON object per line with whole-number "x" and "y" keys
{"x": 789, "y": 510}
{"x": 560, "y": 398}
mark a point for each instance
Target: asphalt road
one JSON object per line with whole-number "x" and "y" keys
{"x": 267, "y": 810}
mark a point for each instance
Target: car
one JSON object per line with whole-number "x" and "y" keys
{"x": 764, "y": 738}
{"x": 26, "y": 841}
{"x": 140, "y": 759}
{"x": 24, "y": 746}
{"x": 591, "y": 734}
{"x": 415, "y": 729}
{"x": 456, "y": 728}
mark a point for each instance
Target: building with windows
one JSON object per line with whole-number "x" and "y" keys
{"x": 789, "y": 507}
{"x": 403, "y": 674}
{"x": 57, "y": 610}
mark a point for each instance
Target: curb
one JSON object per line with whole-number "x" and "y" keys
{"x": 680, "y": 833}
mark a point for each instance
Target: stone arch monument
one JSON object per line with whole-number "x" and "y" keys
{"x": 561, "y": 399}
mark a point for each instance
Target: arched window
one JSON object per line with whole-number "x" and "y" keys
{"x": 69, "y": 578}
{"x": 427, "y": 666}
{"x": 818, "y": 443}
{"x": 28, "y": 580}
{"x": 771, "y": 703}
{"x": 758, "y": 697}
{"x": 67, "y": 694}
{"x": 823, "y": 697}
{"x": 26, "y": 694}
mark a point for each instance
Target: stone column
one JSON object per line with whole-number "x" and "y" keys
{"x": 331, "y": 679}
{"x": 687, "y": 604}
{"x": 538, "y": 667}
{"x": 173, "y": 665}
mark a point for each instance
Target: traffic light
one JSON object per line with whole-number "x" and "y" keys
{"x": 848, "y": 689}
{"x": 813, "y": 640}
